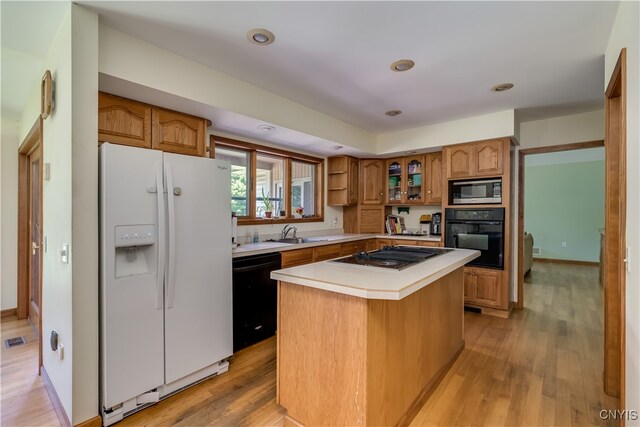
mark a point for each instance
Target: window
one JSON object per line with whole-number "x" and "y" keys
{"x": 239, "y": 178}
{"x": 269, "y": 184}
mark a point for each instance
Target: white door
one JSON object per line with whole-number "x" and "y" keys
{"x": 131, "y": 276}
{"x": 198, "y": 317}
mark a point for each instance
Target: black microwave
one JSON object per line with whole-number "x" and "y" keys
{"x": 475, "y": 192}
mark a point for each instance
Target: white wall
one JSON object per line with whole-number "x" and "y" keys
{"x": 454, "y": 132}
{"x": 57, "y": 196}
{"x": 134, "y": 60}
{"x": 70, "y": 212}
{"x": 84, "y": 212}
{"x": 625, "y": 33}
{"x": 560, "y": 130}
{"x": 9, "y": 211}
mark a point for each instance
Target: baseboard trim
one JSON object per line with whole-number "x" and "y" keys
{"x": 55, "y": 400}
{"x": 566, "y": 261}
{"x": 91, "y": 422}
{"x": 8, "y": 312}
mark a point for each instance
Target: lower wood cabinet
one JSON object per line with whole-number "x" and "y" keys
{"x": 297, "y": 257}
{"x": 325, "y": 252}
{"x": 483, "y": 287}
{"x": 351, "y": 248}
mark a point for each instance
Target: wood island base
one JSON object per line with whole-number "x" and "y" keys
{"x": 345, "y": 360}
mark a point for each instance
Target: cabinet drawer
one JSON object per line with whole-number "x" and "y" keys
{"x": 353, "y": 247}
{"x": 429, "y": 243}
{"x": 297, "y": 257}
{"x": 325, "y": 252}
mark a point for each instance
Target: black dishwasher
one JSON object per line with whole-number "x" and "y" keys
{"x": 255, "y": 299}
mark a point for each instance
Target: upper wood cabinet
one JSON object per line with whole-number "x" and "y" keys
{"x": 128, "y": 122}
{"x": 405, "y": 183}
{"x": 342, "y": 188}
{"x": 484, "y": 158}
{"x": 434, "y": 178}
{"x": 177, "y": 133}
{"x": 123, "y": 121}
{"x": 371, "y": 179}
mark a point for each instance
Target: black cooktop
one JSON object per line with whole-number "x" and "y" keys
{"x": 394, "y": 257}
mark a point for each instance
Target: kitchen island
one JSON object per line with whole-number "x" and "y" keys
{"x": 366, "y": 346}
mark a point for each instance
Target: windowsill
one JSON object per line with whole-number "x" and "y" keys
{"x": 267, "y": 221}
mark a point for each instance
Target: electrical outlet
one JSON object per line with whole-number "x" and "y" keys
{"x": 564, "y": 244}
{"x": 335, "y": 221}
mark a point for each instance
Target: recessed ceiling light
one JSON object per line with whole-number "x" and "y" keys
{"x": 260, "y": 36}
{"x": 502, "y": 87}
{"x": 266, "y": 128}
{"x": 393, "y": 113}
{"x": 337, "y": 147}
{"x": 402, "y": 65}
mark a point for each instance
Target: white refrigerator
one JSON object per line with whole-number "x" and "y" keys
{"x": 165, "y": 275}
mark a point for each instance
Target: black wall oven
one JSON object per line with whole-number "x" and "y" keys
{"x": 479, "y": 229}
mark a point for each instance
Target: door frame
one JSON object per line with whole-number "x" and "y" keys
{"x": 615, "y": 230}
{"x": 521, "y": 161}
{"x": 33, "y": 141}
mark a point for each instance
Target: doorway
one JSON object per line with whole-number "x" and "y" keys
{"x": 30, "y": 230}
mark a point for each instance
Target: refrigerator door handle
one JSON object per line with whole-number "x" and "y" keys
{"x": 171, "y": 270}
{"x": 161, "y": 237}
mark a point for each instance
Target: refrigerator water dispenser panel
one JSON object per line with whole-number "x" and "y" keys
{"x": 135, "y": 235}
{"x": 135, "y": 249}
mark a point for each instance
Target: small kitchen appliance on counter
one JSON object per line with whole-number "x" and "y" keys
{"x": 425, "y": 225}
{"x": 436, "y": 223}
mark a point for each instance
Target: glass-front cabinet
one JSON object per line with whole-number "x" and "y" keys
{"x": 405, "y": 180}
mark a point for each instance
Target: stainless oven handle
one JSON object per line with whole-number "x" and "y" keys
{"x": 484, "y": 181}
{"x": 475, "y": 221}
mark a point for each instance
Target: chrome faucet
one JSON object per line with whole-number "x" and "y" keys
{"x": 287, "y": 228}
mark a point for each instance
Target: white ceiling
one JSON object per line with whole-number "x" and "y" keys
{"x": 335, "y": 56}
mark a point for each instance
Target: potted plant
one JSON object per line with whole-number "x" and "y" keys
{"x": 268, "y": 207}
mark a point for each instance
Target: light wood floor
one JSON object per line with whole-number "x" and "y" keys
{"x": 541, "y": 367}
{"x": 23, "y": 399}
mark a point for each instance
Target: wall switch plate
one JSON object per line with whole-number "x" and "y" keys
{"x": 564, "y": 244}
{"x": 64, "y": 253}
{"x": 44, "y": 244}
{"x": 46, "y": 171}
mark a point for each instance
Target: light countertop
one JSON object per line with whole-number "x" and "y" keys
{"x": 268, "y": 247}
{"x": 375, "y": 282}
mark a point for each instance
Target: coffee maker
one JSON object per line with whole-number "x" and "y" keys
{"x": 436, "y": 223}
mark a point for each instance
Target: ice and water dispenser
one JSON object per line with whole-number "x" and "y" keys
{"x": 135, "y": 249}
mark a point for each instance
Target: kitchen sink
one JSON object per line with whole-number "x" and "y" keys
{"x": 301, "y": 240}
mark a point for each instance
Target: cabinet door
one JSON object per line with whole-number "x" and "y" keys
{"x": 488, "y": 287}
{"x": 488, "y": 157}
{"x": 371, "y": 179}
{"x": 433, "y": 172}
{"x": 394, "y": 185}
{"x": 178, "y": 133}
{"x": 469, "y": 285}
{"x": 414, "y": 179}
{"x": 353, "y": 182}
{"x": 371, "y": 219}
{"x": 460, "y": 160}
{"x": 123, "y": 121}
